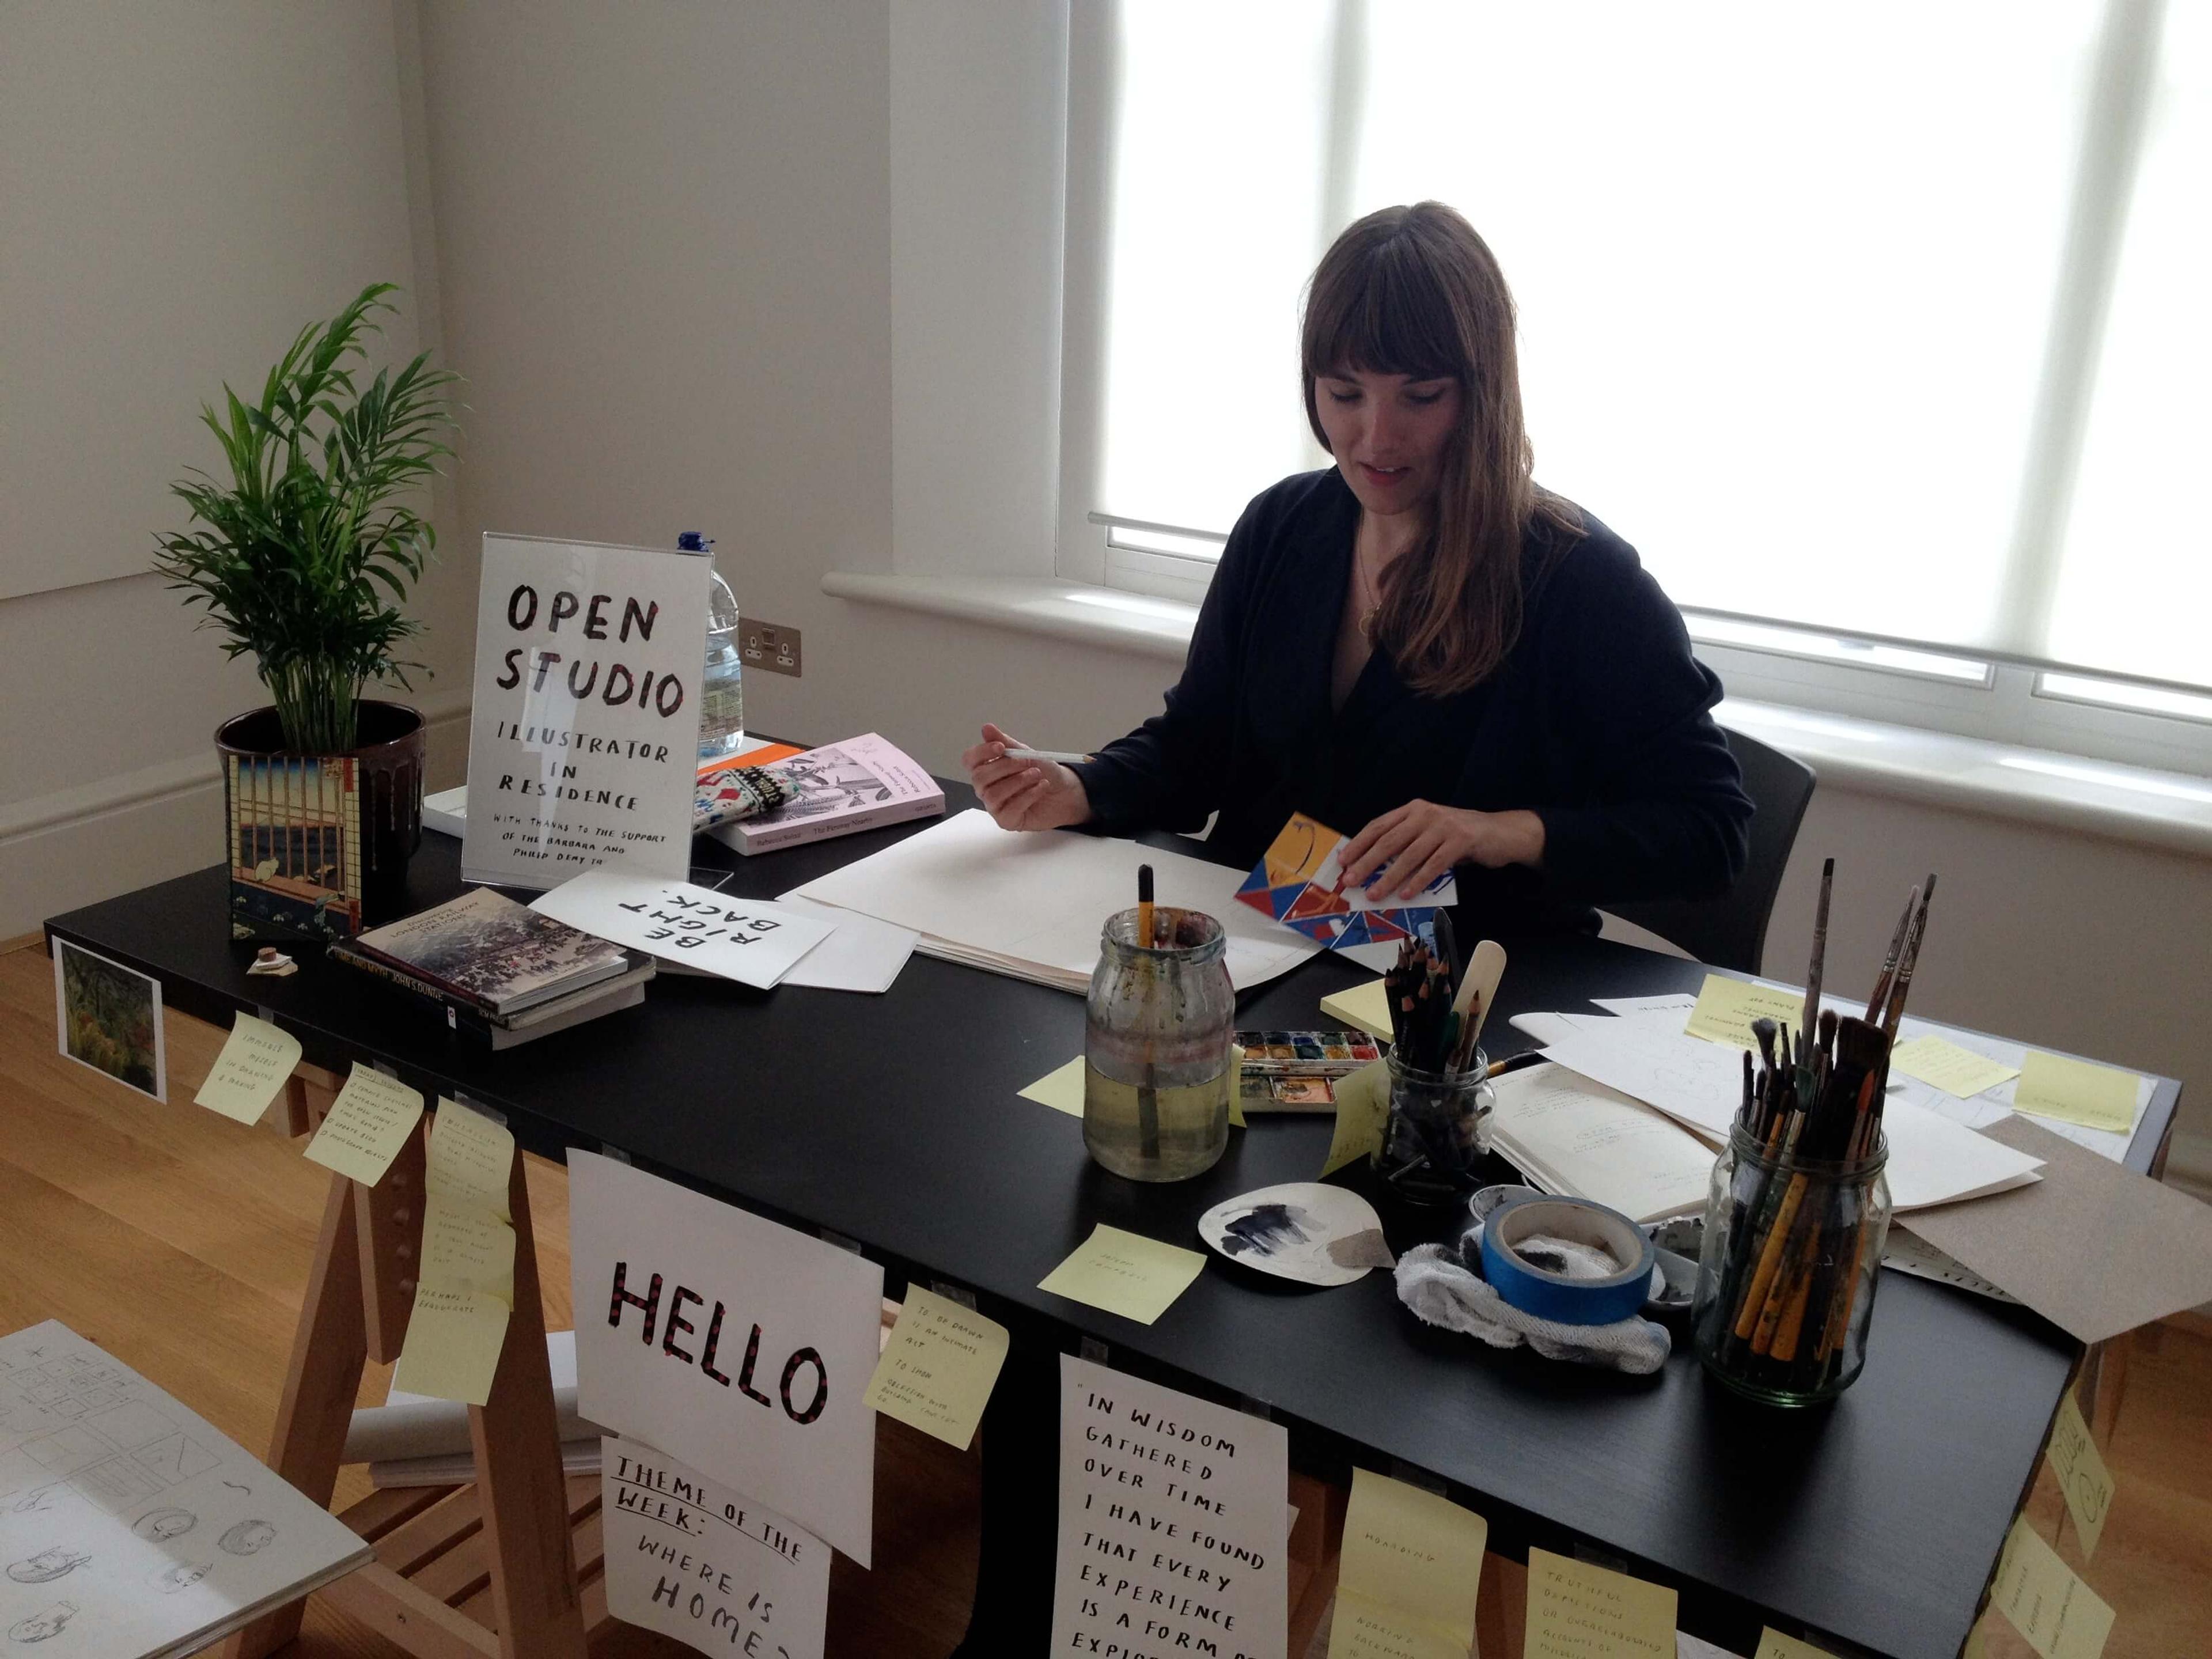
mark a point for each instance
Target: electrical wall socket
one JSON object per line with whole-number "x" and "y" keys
{"x": 770, "y": 646}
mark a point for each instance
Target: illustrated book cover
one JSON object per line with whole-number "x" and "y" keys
{"x": 497, "y": 956}
{"x": 862, "y": 783}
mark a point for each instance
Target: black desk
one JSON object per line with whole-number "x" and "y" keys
{"x": 893, "y": 1121}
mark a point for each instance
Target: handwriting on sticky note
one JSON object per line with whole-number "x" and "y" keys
{"x": 452, "y": 1346}
{"x": 1726, "y": 1008}
{"x": 2083, "y": 1476}
{"x": 467, "y": 1250}
{"x": 938, "y": 1368}
{"x": 1124, "y": 1273}
{"x": 1061, "y": 1089}
{"x": 1576, "y": 1611}
{"x": 2075, "y": 1091}
{"x": 255, "y": 1062}
{"x": 367, "y": 1125}
{"x": 1773, "y": 1644}
{"x": 2061, "y": 1617}
{"x": 471, "y": 1159}
{"x": 1946, "y": 1066}
{"x": 1363, "y": 1107}
{"x": 1409, "y": 1570}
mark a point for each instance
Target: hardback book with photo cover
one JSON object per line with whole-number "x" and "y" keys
{"x": 494, "y": 956}
{"x": 131, "y": 1528}
{"x": 862, "y": 783}
{"x": 558, "y": 1013}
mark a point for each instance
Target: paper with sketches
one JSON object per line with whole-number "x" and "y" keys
{"x": 744, "y": 1580}
{"x": 1570, "y": 1135}
{"x": 1408, "y": 1577}
{"x": 367, "y": 1125}
{"x": 1124, "y": 1273}
{"x": 1299, "y": 881}
{"x": 695, "y": 927}
{"x": 1166, "y": 1566}
{"x": 1576, "y": 1610}
{"x": 862, "y": 954}
{"x": 2094, "y": 1096}
{"x": 2061, "y": 1617}
{"x": 938, "y": 1368}
{"x": 2083, "y": 1476}
{"x": 744, "y": 1346}
{"x": 1932, "y": 1160}
{"x": 1031, "y": 906}
{"x": 129, "y": 1524}
{"x": 256, "y": 1061}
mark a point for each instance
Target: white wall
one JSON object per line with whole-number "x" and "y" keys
{"x": 183, "y": 188}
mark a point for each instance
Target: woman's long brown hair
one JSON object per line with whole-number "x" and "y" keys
{"x": 1414, "y": 291}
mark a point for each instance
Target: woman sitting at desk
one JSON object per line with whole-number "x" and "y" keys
{"x": 1422, "y": 644}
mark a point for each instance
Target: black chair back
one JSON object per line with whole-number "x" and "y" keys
{"x": 1730, "y": 931}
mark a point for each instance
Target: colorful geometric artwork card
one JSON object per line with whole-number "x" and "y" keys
{"x": 1299, "y": 881}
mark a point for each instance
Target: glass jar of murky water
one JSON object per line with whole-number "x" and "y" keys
{"x": 1156, "y": 1054}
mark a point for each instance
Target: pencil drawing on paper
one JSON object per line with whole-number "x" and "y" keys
{"x": 47, "y": 1566}
{"x": 248, "y": 1538}
{"x": 180, "y": 1576}
{"x": 168, "y": 1521}
{"x": 41, "y": 1626}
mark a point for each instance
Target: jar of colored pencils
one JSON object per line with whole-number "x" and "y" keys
{"x": 1438, "y": 1132}
{"x": 1786, "y": 1278}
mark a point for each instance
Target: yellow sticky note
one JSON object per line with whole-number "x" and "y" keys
{"x": 253, "y": 1067}
{"x": 1773, "y": 1644}
{"x": 1363, "y": 1107}
{"x": 938, "y": 1368}
{"x": 1955, "y": 1071}
{"x": 470, "y": 1160}
{"x": 467, "y": 1250}
{"x": 2061, "y": 1617}
{"x": 454, "y": 1340}
{"x": 1124, "y": 1273}
{"x": 2083, "y": 1476}
{"x": 1411, "y": 1569}
{"x": 1576, "y": 1610}
{"x": 367, "y": 1125}
{"x": 2075, "y": 1091}
{"x": 1061, "y": 1090}
{"x": 1363, "y": 1007}
{"x": 1727, "y": 1006}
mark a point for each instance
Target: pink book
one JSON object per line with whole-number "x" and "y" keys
{"x": 862, "y": 783}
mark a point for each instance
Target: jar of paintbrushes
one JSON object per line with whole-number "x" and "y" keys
{"x": 1798, "y": 1209}
{"x": 1441, "y": 1101}
{"x": 1157, "y": 1029}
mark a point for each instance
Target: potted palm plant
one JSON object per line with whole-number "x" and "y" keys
{"x": 302, "y": 557}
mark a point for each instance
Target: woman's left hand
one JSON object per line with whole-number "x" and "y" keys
{"x": 1401, "y": 853}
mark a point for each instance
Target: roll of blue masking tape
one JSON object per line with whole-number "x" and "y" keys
{"x": 1536, "y": 1289}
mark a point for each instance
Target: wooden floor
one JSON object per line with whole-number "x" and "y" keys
{"x": 181, "y": 1243}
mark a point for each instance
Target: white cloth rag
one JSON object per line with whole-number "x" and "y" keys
{"x": 1441, "y": 1291}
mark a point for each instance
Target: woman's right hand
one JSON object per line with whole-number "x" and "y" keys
{"x": 1023, "y": 795}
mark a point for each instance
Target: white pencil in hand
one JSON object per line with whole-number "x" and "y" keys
{"x": 1045, "y": 755}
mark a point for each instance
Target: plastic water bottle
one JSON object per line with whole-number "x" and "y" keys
{"x": 721, "y": 691}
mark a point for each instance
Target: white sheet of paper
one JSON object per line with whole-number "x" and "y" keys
{"x": 746, "y": 1580}
{"x": 1571, "y": 1135}
{"x": 782, "y": 1421}
{"x": 1932, "y": 1160}
{"x": 129, "y": 1523}
{"x": 864, "y": 954}
{"x": 976, "y": 892}
{"x": 743, "y": 939}
{"x": 1143, "y": 1549}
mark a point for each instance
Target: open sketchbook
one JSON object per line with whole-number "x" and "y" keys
{"x": 1031, "y": 906}
{"x": 130, "y": 1526}
{"x": 1571, "y": 1136}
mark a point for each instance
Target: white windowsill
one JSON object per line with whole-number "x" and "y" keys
{"x": 2168, "y": 809}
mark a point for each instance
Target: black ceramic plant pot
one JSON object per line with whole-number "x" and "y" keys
{"x": 319, "y": 844}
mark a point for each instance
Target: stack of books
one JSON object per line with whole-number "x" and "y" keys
{"x": 500, "y": 970}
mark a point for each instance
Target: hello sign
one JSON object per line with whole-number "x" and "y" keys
{"x": 740, "y": 1347}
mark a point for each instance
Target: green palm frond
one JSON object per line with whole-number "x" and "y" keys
{"x": 305, "y": 555}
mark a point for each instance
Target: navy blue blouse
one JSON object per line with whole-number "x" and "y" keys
{"x": 1597, "y": 720}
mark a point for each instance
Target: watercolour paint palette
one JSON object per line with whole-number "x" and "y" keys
{"x": 1296, "y": 1071}
{"x": 1299, "y": 881}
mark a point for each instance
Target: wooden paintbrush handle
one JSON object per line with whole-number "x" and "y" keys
{"x": 1770, "y": 1259}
